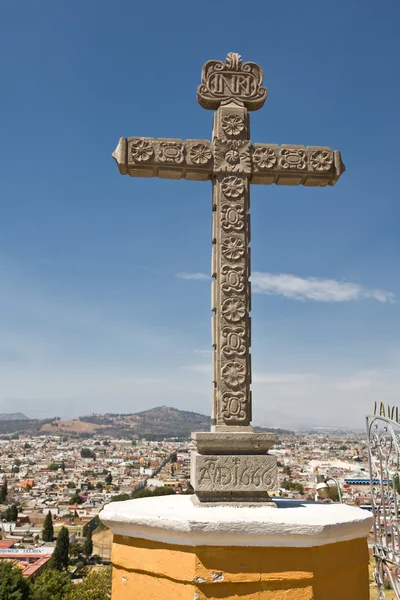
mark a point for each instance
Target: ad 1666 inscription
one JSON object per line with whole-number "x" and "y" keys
{"x": 246, "y": 473}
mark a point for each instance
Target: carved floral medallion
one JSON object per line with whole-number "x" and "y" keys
{"x": 233, "y": 248}
{"x": 233, "y": 187}
{"x": 233, "y": 309}
{"x": 232, "y": 156}
{"x": 321, "y": 160}
{"x": 232, "y": 125}
{"x": 141, "y": 150}
{"x": 233, "y": 374}
{"x": 264, "y": 158}
{"x": 200, "y": 154}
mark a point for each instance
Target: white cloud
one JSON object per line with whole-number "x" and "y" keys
{"x": 194, "y": 276}
{"x": 314, "y": 288}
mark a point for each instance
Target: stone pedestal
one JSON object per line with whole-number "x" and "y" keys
{"x": 233, "y": 467}
{"x": 167, "y": 548}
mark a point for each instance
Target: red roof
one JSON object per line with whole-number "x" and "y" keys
{"x": 31, "y": 569}
{"x": 5, "y": 545}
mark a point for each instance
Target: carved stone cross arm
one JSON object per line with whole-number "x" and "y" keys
{"x": 195, "y": 160}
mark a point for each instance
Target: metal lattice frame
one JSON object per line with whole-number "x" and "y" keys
{"x": 384, "y": 459}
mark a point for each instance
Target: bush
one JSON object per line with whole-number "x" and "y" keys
{"x": 96, "y": 586}
{"x": 51, "y": 585}
{"x": 13, "y": 585}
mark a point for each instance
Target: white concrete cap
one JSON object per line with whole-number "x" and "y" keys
{"x": 175, "y": 520}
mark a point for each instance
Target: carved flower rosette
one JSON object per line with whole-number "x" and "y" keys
{"x": 232, "y": 156}
{"x": 233, "y": 187}
{"x": 321, "y": 160}
{"x": 199, "y": 154}
{"x": 232, "y": 125}
{"x": 233, "y": 310}
{"x": 141, "y": 150}
{"x": 264, "y": 158}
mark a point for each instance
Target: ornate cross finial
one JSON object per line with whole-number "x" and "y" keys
{"x": 231, "y": 81}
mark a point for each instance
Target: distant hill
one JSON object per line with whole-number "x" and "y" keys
{"x": 156, "y": 423}
{"x": 13, "y": 417}
{"x": 160, "y": 422}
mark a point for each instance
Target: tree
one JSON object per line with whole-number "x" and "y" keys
{"x": 51, "y": 585}
{"x": 11, "y": 513}
{"x": 120, "y": 498}
{"x": 96, "y": 586}
{"x": 76, "y": 499}
{"x": 48, "y": 529}
{"x": 88, "y": 545}
{"x": 87, "y": 453}
{"x": 75, "y": 549}
{"x": 59, "y": 559}
{"x": 108, "y": 479}
{"x": 164, "y": 491}
{"x": 71, "y": 485}
{"x": 146, "y": 492}
{"x": 3, "y": 492}
{"x": 99, "y": 486}
{"x": 13, "y": 585}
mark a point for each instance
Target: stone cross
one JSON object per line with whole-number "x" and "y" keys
{"x": 231, "y": 463}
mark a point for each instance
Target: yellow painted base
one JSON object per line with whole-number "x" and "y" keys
{"x": 147, "y": 570}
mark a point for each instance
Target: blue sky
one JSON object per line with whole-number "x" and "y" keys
{"x": 93, "y": 314}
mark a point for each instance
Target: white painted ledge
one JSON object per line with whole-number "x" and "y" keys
{"x": 175, "y": 520}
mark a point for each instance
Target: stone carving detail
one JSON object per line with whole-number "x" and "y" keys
{"x": 233, "y": 374}
{"x": 232, "y": 325}
{"x": 232, "y": 217}
{"x": 232, "y": 80}
{"x": 291, "y": 158}
{"x": 233, "y": 187}
{"x": 264, "y": 158}
{"x": 200, "y": 154}
{"x": 233, "y": 341}
{"x": 321, "y": 160}
{"x": 241, "y": 473}
{"x": 233, "y": 248}
{"x": 232, "y": 279}
{"x": 233, "y": 309}
{"x": 232, "y": 156}
{"x": 234, "y": 406}
{"x": 171, "y": 152}
{"x": 141, "y": 150}
{"x": 232, "y": 125}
